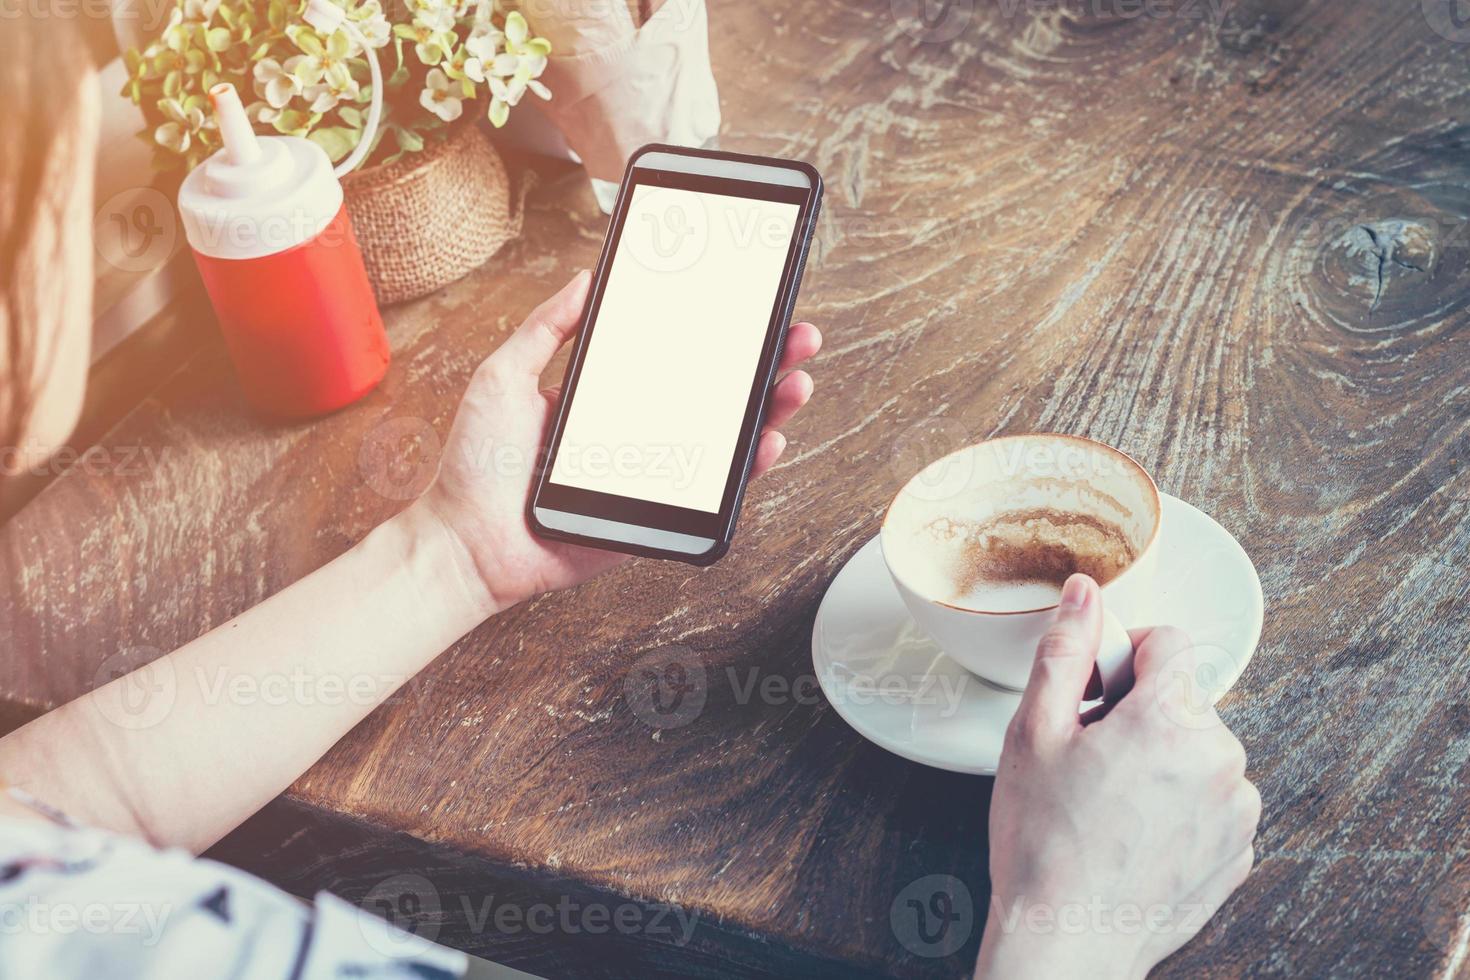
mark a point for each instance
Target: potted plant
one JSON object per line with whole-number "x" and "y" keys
{"x": 434, "y": 201}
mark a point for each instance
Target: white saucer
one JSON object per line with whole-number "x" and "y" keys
{"x": 893, "y": 685}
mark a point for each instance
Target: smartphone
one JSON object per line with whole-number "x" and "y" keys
{"x": 666, "y": 389}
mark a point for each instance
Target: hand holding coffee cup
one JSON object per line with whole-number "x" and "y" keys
{"x": 981, "y": 542}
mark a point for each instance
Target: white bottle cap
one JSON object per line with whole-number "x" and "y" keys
{"x": 260, "y": 194}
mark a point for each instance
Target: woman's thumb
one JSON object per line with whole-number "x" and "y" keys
{"x": 1064, "y": 663}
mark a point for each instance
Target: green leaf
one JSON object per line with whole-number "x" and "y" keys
{"x": 291, "y": 122}
{"x": 351, "y": 115}
{"x": 408, "y": 140}
{"x": 338, "y": 141}
{"x": 173, "y": 83}
{"x": 275, "y": 14}
{"x": 306, "y": 40}
{"x": 399, "y": 76}
{"x": 406, "y": 33}
{"x": 467, "y": 87}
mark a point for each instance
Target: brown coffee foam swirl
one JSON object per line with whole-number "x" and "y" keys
{"x": 1038, "y": 545}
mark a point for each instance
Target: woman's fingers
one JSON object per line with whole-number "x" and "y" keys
{"x": 803, "y": 340}
{"x": 767, "y": 451}
{"x": 790, "y": 393}
{"x": 531, "y": 347}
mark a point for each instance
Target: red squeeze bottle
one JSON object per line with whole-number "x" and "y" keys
{"x": 266, "y": 222}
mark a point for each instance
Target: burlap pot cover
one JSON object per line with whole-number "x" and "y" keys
{"x": 433, "y": 217}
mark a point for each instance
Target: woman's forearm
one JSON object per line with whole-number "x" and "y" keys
{"x": 182, "y": 751}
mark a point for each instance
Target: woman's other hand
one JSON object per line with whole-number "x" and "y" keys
{"x": 492, "y": 454}
{"x": 1112, "y": 844}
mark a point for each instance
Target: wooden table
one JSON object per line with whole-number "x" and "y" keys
{"x": 1231, "y": 244}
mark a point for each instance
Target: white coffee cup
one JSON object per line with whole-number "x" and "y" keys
{"x": 979, "y": 542}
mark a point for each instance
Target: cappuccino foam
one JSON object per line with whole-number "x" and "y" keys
{"x": 1019, "y": 559}
{"x": 998, "y": 527}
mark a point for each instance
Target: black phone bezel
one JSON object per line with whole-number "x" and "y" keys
{"x": 720, "y": 527}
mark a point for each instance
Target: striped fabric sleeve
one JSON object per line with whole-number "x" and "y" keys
{"x": 77, "y": 903}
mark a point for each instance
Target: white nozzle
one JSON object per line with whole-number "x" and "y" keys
{"x": 234, "y": 126}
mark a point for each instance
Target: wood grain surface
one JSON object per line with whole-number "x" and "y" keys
{"x": 1228, "y": 239}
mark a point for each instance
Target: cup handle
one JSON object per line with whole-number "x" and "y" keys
{"x": 1112, "y": 676}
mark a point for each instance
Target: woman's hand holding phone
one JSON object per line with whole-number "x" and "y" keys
{"x": 495, "y": 443}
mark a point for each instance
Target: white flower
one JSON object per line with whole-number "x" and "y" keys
{"x": 373, "y": 24}
{"x": 262, "y": 113}
{"x": 436, "y": 20}
{"x": 177, "y": 133}
{"x": 324, "y": 96}
{"x": 508, "y": 92}
{"x": 200, "y": 10}
{"x": 484, "y": 42}
{"x": 440, "y": 96}
{"x": 276, "y": 83}
{"x": 320, "y": 61}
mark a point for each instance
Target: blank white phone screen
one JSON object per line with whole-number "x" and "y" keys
{"x": 674, "y": 348}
